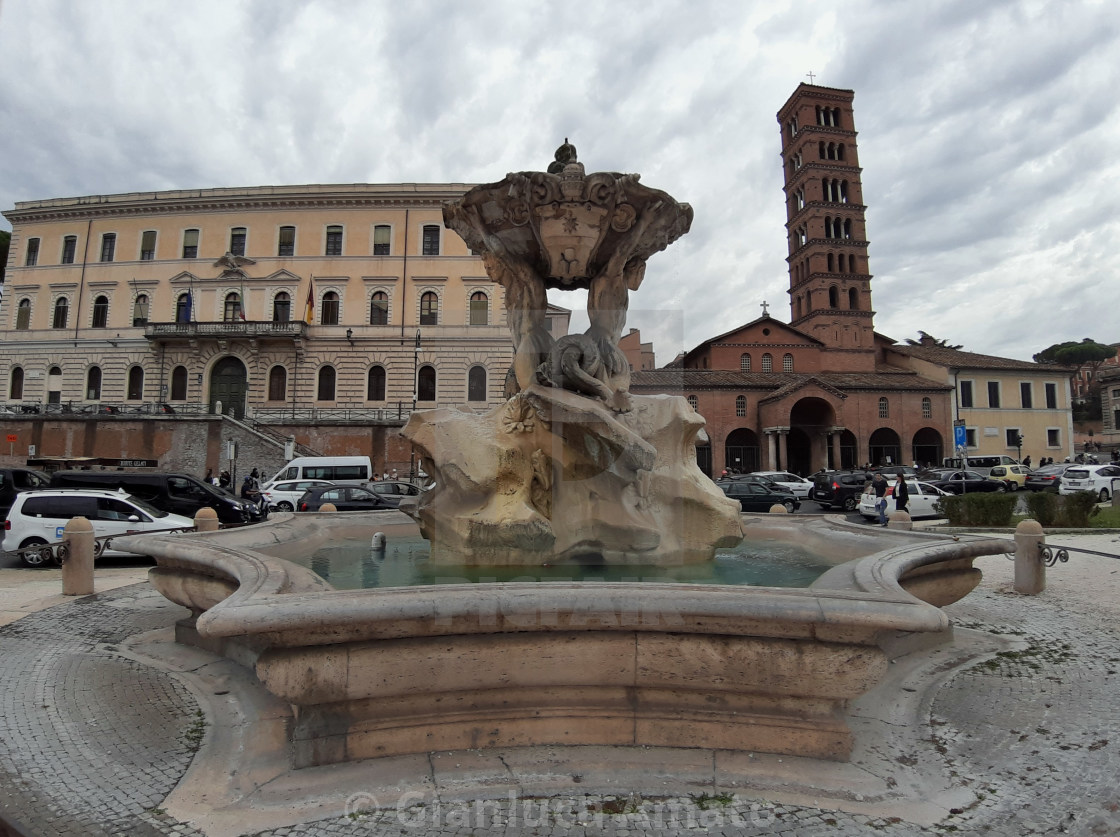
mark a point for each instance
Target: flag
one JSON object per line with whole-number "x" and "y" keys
{"x": 309, "y": 313}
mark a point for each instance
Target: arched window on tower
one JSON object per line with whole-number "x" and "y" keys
{"x": 853, "y": 299}
{"x": 847, "y": 228}
{"x": 884, "y": 408}
{"x": 745, "y": 362}
{"x": 833, "y": 297}
{"x": 767, "y": 363}
{"x": 831, "y": 267}
{"x": 840, "y": 151}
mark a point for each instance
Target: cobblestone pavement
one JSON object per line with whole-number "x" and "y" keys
{"x": 91, "y": 742}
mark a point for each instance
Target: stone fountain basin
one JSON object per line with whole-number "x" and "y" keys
{"x": 372, "y": 673}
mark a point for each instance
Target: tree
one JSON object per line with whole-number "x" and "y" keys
{"x": 1086, "y": 356}
{"x": 5, "y": 243}
{"x": 929, "y": 340}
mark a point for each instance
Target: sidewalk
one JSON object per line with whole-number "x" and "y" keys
{"x": 96, "y": 740}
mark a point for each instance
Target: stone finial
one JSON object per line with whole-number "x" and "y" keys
{"x": 565, "y": 154}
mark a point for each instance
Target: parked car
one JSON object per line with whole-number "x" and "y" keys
{"x": 961, "y": 482}
{"x": 175, "y": 493}
{"x": 1046, "y": 478}
{"x": 38, "y": 517}
{"x": 839, "y": 488}
{"x": 344, "y": 497}
{"x": 1015, "y": 476}
{"x": 1095, "y": 478}
{"x": 15, "y": 480}
{"x": 754, "y": 496}
{"x": 923, "y": 497}
{"x": 798, "y": 485}
{"x": 393, "y": 491}
{"x": 284, "y": 495}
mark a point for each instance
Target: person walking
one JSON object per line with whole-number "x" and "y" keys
{"x": 879, "y": 486}
{"x": 901, "y": 495}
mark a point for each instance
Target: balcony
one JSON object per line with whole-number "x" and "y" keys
{"x": 227, "y": 330}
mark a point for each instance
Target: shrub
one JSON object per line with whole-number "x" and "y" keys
{"x": 989, "y": 509}
{"x": 1065, "y": 510}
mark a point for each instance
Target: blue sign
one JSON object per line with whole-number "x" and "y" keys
{"x": 960, "y": 436}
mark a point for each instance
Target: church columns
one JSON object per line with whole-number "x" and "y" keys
{"x": 834, "y": 445}
{"x": 783, "y": 447}
{"x": 777, "y": 450}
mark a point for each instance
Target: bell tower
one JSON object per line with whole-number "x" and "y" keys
{"x": 829, "y": 278}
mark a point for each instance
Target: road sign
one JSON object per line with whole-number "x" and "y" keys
{"x": 960, "y": 436}
{"x": 12, "y": 437}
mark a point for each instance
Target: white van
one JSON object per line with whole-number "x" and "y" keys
{"x": 981, "y": 464}
{"x": 343, "y": 470}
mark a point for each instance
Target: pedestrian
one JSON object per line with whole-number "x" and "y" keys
{"x": 901, "y": 495}
{"x": 879, "y": 486}
{"x": 1027, "y": 461}
{"x": 225, "y": 479}
{"x": 209, "y": 478}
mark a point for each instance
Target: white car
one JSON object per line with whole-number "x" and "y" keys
{"x": 39, "y": 517}
{"x": 922, "y": 497}
{"x": 282, "y": 495}
{"x": 798, "y": 485}
{"x": 1095, "y": 478}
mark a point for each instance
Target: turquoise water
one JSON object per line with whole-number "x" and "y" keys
{"x": 352, "y": 565}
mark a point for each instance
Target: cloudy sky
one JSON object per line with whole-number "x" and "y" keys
{"x": 989, "y": 130}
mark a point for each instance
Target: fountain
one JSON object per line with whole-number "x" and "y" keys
{"x": 572, "y": 468}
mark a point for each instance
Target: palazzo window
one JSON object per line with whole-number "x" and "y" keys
{"x": 277, "y": 383}
{"x": 381, "y": 240}
{"x": 183, "y": 308}
{"x": 330, "y": 309}
{"x": 148, "y": 245}
{"x": 232, "y": 309}
{"x": 375, "y": 384}
{"x": 286, "y": 242}
{"x": 480, "y": 308}
{"x": 429, "y": 309}
{"x": 334, "y": 240}
{"x": 140, "y": 311}
{"x": 100, "y": 312}
{"x": 966, "y": 394}
{"x": 93, "y": 384}
{"x": 326, "y": 384}
{"x": 61, "y": 312}
{"x": 431, "y": 240}
{"x": 1026, "y": 395}
{"x": 15, "y": 388}
{"x": 108, "y": 247}
{"x": 426, "y": 384}
{"x": 69, "y": 248}
{"x": 476, "y": 384}
{"x": 1051, "y": 396}
{"x": 993, "y": 394}
{"x": 379, "y": 309}
{"x": 179, "y": 383}
{"x": 135, "y": 389}
{"x": 23, "y": 315}
{"x": 32, "y": 252}
{"x": 190, "y": 244}
{"x": 282, "y": 308}
{"x": 237, "y": 237}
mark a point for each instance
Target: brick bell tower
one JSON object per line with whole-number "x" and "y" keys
{"x": 829, "y": 279}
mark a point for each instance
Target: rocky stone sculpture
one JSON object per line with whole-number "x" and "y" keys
{"x": 571, "y": 467}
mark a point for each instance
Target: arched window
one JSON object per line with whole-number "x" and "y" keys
{"x": 480, "y": 309}
{"x": 853, "y": 299}
{"x": 277, "y": 383}
{"x": 830, "y": 263}
{"x": 379, "y": 309}
{"x": 833, "y": 297}
{"x": 23, "y": 315}
{"x": 179, "y": 383}
{"x": 426, "y": 384}
{"x": 93, "y": 383}
{"x": 183, "y": 308}
{"x": 135, "y": 389}
{"x": 740, "y": 406}
{"x": 326, "y": 384}
{"x": 140, "y": 311}
{"x": 375, "y": 384}
{"x": 330, "y": 309}
{"x": 232, "y": 310}
{"x": 429, "y": 309}
{"x": 787, "y": 362}
{"x": 767, "y": 363}
{"x": 927, "y": 408}
{"x": 693, "y": 401}
{"x": 100, "y": 312}
{"x": 15, "y": 386}
{"x": 745, "y": 362}
{"x": 884, "y": 408}
{"x": 61, "y": 312}
{"x": 54, "y": 385}
{"x": 476, "y": 384}
{"x": 847, "y": 228}
{"x": 840, "y": 151}
{"x": 281, "y": 307}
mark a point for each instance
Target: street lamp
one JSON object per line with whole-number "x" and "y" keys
{"x": 415, "y": 392}
{"x": 350, "y": 336}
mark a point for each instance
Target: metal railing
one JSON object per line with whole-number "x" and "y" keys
{"x": 104, "y": 408}
{"x": 232, "y": 328}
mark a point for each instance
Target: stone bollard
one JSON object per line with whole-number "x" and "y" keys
{"x": 77, "y": 569}
{"x": 1030, "y": 571}
{"x": 900, "y": 520}
{"x": 206, "y": 520}
{"x": 328, "y": 507}
{"x": 778, "y": 508}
